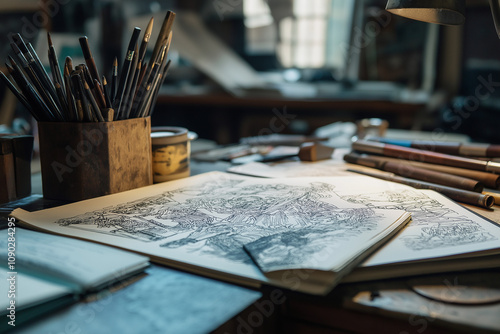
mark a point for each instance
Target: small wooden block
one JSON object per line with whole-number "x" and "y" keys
{"x": 315, "y": 151}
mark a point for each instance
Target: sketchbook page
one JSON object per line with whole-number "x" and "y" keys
{"x": 77, "y": 262}
{"x": 440, "y": 228}
{"x": 199, "y": 223}
{"x": 329, "y": 245}
{"x": 27, "y": 291}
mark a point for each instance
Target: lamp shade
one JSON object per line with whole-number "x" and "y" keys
{"x": 447, "y": 12}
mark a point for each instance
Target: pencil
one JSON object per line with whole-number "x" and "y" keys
{"x": 142, "y": 108}
{"x": 82, "y": 101}
{"x": 141, "y": 76}
{"x": 145, "y": 91}
{"x": 157, "y": 89}
{"x": 125, "y": 71}
{"x": 160, "y": 57}
{"x": 142, "y": 92}
{"x": 165, "y": 30}
{"x": 58, "y": 80}
{"x": 86, "y": 75}
{"x": 490, "y": 180}
{"x": 31, "y": 58}
{"x": 99, "y": 94}
{"x": 131, "y": 98}
{"x": 16, "y": 92}
{"x": 96, "y": 110}
{"x": 165, "y": 65}
{"x": 45, "y": 88}
{"x": 56, "y": 74}
{"x": 41, "y": 72}
{"x": 87, "y": 54}
{"x": 145, "y": 40}
{"x": 142, "y": 51}
{"x": 114, "y": 77}
{"x": 38, "y": 87}
{"x": 124, "y": 105}
{"x": 23, "y": 62}
{"x": 106, "y": 93}
{"x": 69, "y": 64}
{"x": 39, "y": 107}
{"x": 19, "y": 42}
{"x": 424, "y": 156}
{"x": 71, "y": 99}
{"x": 453, "y": 148}
{"x": 416, "y": 172}
{"x": 62, "y": 100}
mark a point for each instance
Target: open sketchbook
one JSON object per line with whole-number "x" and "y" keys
{"x": 442, "y": 236}
{"x": 201, "y": 224}
{"x": 50, "y": 271}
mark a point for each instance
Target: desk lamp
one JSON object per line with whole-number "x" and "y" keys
{"x": 447, "y": 12}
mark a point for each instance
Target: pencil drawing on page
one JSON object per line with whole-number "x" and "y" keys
{"x": 217, "y": 218}
{"x": 306, "y": 248}
{"x": 435, "y": 224}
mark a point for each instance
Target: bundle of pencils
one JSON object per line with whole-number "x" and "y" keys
{"x": 460, "y": 178}
{"x": 78, "y": 93}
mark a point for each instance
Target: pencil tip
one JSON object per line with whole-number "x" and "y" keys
{"x": 49, "y": 39}
{"x": 69, "y": 63}
{"x": 115, "y": 62}
{"x": 104, "y": 81}
{"x": 85, "y": 84}
{"x": 149, "y": 30}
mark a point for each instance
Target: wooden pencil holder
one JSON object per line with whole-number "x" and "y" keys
{"x": 86, "y": 160}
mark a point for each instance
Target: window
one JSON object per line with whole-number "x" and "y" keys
{"x": 310, "y": 34}
{"x": 351, "y": 40}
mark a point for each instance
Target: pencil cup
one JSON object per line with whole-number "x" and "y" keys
{"x": 86, "y": 160}
{"x": 171, "y": 153}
